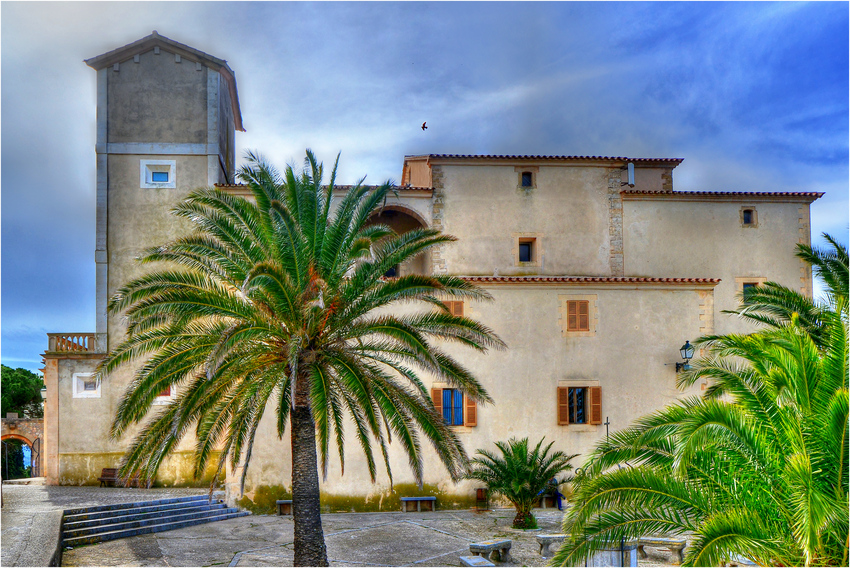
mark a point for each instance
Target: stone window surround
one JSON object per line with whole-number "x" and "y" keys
{"x": 457, "y": 429}
{"x": 755, "y": 217}
{"x": 532, "y": 170}
{"x": 77, "y": 390}
{"x": 536, "y": 248}
{"x": 740, "y": 281}
{"x": 146, "y": 169}
{"x": 592, "y": 315}
{"x": 587, "y": 383}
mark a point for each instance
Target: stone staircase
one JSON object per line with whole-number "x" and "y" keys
{"x": 89, "y": 525}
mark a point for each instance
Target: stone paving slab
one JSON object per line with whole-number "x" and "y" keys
{"x": 353, "y": 539}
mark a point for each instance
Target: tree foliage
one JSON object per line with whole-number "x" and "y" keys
{"x": 758, "y": 466}
{"x": 278, "y": 306}
{"x": 21, "y": 392}
{"x": 519, "y": 473}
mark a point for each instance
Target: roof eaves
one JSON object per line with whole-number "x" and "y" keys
{"x": 591, "y": 280}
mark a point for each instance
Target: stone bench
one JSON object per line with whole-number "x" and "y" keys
{"x": 496, "y": 550}
{"x": 545, "y": 540}
{"x": 675, "y": 545}
{"x": 474, "y": 561}
{"x": 284, "y": 506}
{"x": 406, "y": 503}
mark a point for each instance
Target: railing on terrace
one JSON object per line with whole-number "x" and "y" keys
{"x": 71, "y": 342}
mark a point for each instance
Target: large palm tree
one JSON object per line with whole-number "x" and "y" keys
{"x": 274, "y": 305}
{"x": 757, "y": 467}
{"x": 520, "y": 474}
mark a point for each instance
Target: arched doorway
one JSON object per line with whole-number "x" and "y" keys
{"x": 401, "y": 220}
{"x": 20, "y": 456}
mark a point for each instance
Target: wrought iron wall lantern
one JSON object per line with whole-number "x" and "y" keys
{"x": 687, "y": 353}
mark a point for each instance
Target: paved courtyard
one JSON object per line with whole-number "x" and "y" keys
{"x": 353, "y": 539}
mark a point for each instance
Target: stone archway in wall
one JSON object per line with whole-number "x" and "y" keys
{"x": 29, "y": 431}
{"x": 402, "y": 219}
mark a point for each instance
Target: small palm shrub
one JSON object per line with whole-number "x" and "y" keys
{"x": 519, "y": 474}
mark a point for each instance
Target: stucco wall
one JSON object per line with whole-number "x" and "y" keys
{"x": 666, "y": 237}
{"x": 157, "y": 100}
{"x": 632, "y": 358}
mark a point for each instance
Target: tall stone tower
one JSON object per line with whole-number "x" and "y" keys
{"x": 166, "y": 121}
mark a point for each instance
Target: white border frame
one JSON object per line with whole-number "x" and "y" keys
{"x": 146, "y": 169}
{"x": 77, "y": 383}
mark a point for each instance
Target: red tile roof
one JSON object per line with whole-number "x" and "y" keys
{"x": 590, "y": 279}
{"x": 541, "y": 157}
{"x": 345, "y": 187}
{"x": 814, "y": 194}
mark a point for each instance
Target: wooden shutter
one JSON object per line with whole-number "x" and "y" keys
{"x": 437, "y": 397}
{"x": 595, "y": 405}
{"x": 470, "y": 416}
{"x": 583, "y": 320}
{"x": 455, "y": 308}
{"x": 572, "y": 315}
{"x": 166, "y": 391}
{"x": 563, "y": 406}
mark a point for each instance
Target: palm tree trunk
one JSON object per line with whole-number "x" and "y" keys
{"x": 306, "y": 512}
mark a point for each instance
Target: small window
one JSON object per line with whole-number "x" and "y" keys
{"x": 579, "y": 405}
{"x": 155, "y": 174}
{"x": 455, "y": 308}
{"x": 578, "y": 315}
{"x": 85, "y": 385}
{"x": 392, "y": 272}
{"x": 749, "y": 216}
{"x": 527, "y": 252}
{"x": 456, "y": 409}
{"x": 527, "y": 179}
{"x": 165, "y": 392}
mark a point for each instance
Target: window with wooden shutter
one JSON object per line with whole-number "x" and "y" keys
{"x": 471, "y": 414}
{"x": 595, "y": 405}
{"x": 165, "y": 392}
{"x": 455, "y": 308}
{"x": 578, "y": 315}
{"x": 563, "y": 406}
{"x": 437, "y": 397}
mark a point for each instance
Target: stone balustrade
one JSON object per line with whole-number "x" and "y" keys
{"x": 71, "y": 342}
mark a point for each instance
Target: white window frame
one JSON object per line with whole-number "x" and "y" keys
{"x": 161, "y": 400}
{"x": 77, "y": 386}
{"x": 147, "y": 169}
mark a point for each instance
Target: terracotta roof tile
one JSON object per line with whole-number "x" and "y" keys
{"x": 345, "y": 187}
{"x": 543, "y": 157}
{"x": 591, "y": 279}
{"x": 814, "y": 194}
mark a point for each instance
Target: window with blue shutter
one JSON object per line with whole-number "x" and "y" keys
{"x": 453, "y": 407}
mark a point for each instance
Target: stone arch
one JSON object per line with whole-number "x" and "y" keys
{"x": 403, "y": 219}
{"x": 23, "y": 439}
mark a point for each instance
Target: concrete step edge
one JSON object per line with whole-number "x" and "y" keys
{"x": 75, "y": 517}
{"x": 134, "y": 516}
{"x": 147, "y": 530}
{"x": 80, "y": 518}
{"x": 123, "y": 525}
{"x": 82, "y": 510}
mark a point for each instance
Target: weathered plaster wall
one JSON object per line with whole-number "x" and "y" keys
{"x": 632, "y": 358}
{"x": 567, "y": 211}
{"x": 157, "y": 100}
{"x": 665, "y": 237}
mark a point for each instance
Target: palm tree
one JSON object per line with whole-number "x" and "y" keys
{"x": 519, "y": 475}
{"x": 273, "y": 305}
{"x": 758, "y": 467}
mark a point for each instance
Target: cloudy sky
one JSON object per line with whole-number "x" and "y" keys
{"x": 754, "y": 97}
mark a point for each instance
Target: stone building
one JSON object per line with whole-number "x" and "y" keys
{"x": 600, "y": 271}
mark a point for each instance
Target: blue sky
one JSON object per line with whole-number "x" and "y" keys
{"x": 754, "y": 97}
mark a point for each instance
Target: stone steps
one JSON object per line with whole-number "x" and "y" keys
{"x": 97, "y": 524}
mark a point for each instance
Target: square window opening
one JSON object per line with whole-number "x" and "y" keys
{"x": 526, "y": 250}
{"x": 453, "y": 407}
{"x": 578, "y": 315}
{"x": 748, "y": 216}
{"x": 577, "y": 397}
{"x": 527, "y": 179}
{"x": 159, "y": 177}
